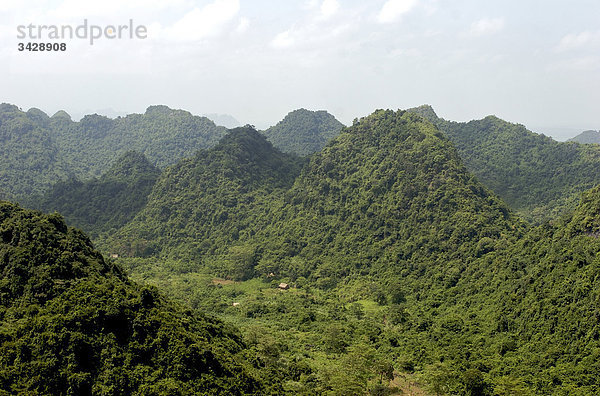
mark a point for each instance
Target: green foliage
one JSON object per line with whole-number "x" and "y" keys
{"x": 40, "y": 151}
{"x": 304, "y": 132}
{"x": 72, "y": 323}
{"x": 399, "y": 257}
{"x": 210, "y": 203}
{"x": 107, "y": 203}
{"x": 399, "y": 261}
{"x": 535, "y": 175}
{"x": 30, "y": 157}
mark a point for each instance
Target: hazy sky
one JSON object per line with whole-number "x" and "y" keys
{"x": 527, "y": 61}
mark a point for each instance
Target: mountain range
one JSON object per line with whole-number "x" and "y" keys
{"x": 402, "y": 250}
{"x": 536, "y": 176}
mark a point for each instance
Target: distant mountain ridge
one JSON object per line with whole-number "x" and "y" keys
{"x": 109, "y": 202}
{"x": 537, "y": 176}
{"x": 41, "y": 150}
{"x": 304, "y": 132}
{"x": 587, "y": 137}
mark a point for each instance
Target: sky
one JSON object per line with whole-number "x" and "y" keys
{"x": 531, "y": 62}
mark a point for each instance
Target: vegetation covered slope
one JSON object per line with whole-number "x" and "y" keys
{"x": 397, "y": 256}
{"x": 40, "y": 150}
{"x": 109, "y": 202}
{"x": 304, "y": 132}
{"x": 72, "y": 323}
{"x": 31, "y": 156}
{"x": 389, "y": 193}
{"x": 389, "y": 188}
{"x": 208, "y": 202}
{"x": 162, "y": 134}
{"x": 587, "y": 137}
{"x": 537, "y": 176}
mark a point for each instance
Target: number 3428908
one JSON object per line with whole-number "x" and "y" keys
{"x": 38, "y": 47}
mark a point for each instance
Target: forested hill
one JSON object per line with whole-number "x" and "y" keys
{"x": 73, "y": 323}
{"x": 40, "y": 150}
{"x": 31, "y": 154}
{"x": 390, "y": 187}
{"x": 162, "y": 134}
{"x": 537, "y": 176}
{"x": 389, "y": 194}
{"x": 400, "y": 260}
{"x": 106, "y": 203}
{"x": 207, "y": 202}
{"x": 587, "y": 137}
{"x": 304, "y": 132}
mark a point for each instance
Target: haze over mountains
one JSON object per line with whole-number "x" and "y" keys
{"x": 403, "y": 238}
{"x": 587, "y": 137}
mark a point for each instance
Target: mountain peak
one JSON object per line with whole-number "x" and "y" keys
{"x": 61, "y": 114}
{"x": 426, "y": 111}
{"x": 303, "y": 131}
{"x": 586, "y": 137}
{"x": 131, "y": 164}
{"x": 166, "y": 111}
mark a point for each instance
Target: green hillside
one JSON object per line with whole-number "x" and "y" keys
{"x": 386, "y": 214}
{"x": 41, "y": 151}
{"x": 109, "y": 202}
{"x": 72, "y": 323}
{"x": 535, "y": 175}
{"x": 304, "y": 132}
{"x": 389, "y": 189}
{"x": 403, "y": 267}
{"x": 162, "y": 134}
{"x": 402, "y": 271}
{"x": 210, "y": 201}
{"x": 31, "y": 156}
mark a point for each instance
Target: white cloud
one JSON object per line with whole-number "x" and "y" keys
{"x": 329, "y": 8}
{"x": 578, "y": 40}
{"x": 311, "y": 4}
{"x": 312, "y": 36}
{"x": 243, "y": 25}
{"x": 392, "y": 10}
{"x": 205, "y": 22}
{"x": 283, "y": 40}
{"x": 9, "y": 5}
{"x": 581, "y": 64}
{"x": 486, "y": 26}
{"x": 79, "y": 9}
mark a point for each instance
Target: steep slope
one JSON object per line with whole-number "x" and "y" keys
{"x": 99, "y": 205}
{"x": 42, "y": 150}
{"x": 400, "y": 259}
{"x": 587, "y": 137}
{"x": 537, "y": 176}
{"x": 389, "y": 189}
{"x": 304, "y": 132}
{"x": 586, "y": 219}
{"x": 389, "y": 193}
{"x": 72, "y": 323}
{"x": 203, "y": 204}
